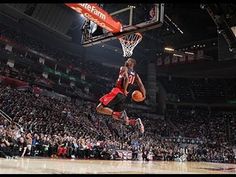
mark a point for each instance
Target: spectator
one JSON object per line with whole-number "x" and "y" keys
{"x": 22, "y": 146}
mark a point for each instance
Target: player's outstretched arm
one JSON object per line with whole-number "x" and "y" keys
{"x": 141, "y": 86}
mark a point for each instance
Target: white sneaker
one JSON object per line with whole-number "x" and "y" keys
{"x": 124, "y": 117}
{"x": 140, "y": 125}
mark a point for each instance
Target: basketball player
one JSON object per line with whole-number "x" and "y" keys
{"x": 112, "y": 104}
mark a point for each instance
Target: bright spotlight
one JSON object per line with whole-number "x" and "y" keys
{"x": 169, "y": 49}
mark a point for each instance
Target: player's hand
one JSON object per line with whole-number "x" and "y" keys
{"x": 126, "y": 93}
{"x": 144, "y": 97}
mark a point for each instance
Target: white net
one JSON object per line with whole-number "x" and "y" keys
{"x": 129, "y": 42}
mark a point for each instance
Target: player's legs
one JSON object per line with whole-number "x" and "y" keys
{"x": 109, "y": 101}
{"x": 107, "y": 111}
{"x": 120, "y": 106}
{"x": 129, "y": 121}
{"x": 104, "y": 110}
{"x": 118, "y": 114}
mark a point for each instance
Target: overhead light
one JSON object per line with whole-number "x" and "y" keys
{"x": 82, "y": 16}
{"x": 233, "y": 28}
{"x": 169, "y": 49}
{"x": 203, "y": 6}
{"x": 180, "y": 31}
{"x": 177, "y": 55}
{"x": 191, "y": 53}
{"x": 220, "y": 31}
{"x": 132, "y": 6}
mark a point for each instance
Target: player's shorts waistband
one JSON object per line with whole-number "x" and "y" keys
{"x": 117, "y": 90}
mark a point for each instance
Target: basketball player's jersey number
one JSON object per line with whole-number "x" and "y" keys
{"x": 131, "y": 79}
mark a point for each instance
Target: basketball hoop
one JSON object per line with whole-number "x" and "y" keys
{"x": 129, "y": 42}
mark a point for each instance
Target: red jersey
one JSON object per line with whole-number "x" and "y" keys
{"x": 119, "y": 87}
{"x": 120, "y": 80}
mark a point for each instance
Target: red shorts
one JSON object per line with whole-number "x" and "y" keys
{"x": 106, "y": 99}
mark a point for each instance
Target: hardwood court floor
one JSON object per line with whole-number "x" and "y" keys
{"x": 64, "y": 166}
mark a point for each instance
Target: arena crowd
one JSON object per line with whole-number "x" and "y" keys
{"x": 33, "y": 124}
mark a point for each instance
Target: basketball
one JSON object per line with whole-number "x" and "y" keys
{"x": 137, "y": 96}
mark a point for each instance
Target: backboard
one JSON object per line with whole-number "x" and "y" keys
{"x": 133, "y": 18}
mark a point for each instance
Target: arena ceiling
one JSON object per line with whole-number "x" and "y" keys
{"x": 190, "y": 18}
{"x": 195, "y": 23}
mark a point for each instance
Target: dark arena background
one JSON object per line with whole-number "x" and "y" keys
{"x": 58, "y": 60}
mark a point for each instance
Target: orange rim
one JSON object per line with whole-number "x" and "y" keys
{"x": 130, "y": 41}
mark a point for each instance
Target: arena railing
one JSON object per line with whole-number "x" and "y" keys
{"x": 8, "y": 118}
